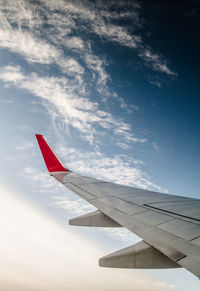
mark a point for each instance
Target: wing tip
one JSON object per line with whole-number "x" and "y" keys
{"x": 52, "y": 162}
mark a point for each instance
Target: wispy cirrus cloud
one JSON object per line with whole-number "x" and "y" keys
{"x": 44, "y": 36}
{"x": 21, "y": 33}
{"x": 37, "y": 50}
{"x": 156, "y": 62}
{"x": 105, "y": 167}
{"x": 74, "y": 43}
{"x": 115, "y": 33}
{"x": 42, "y": 179}
{"x": 99, "y": 18}
{"x": 122, "y": 234}
{"x": 76, "y": 205}
{"x": 31, "y": 48}
{"x": 65, "y": 96}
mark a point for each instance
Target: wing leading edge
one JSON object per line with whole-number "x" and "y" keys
{"x": 168, "y": 224}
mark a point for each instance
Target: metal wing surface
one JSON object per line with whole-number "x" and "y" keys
{"x": 169, "y": 225}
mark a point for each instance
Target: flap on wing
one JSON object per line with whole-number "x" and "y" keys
{"x": 139, "y": 256}
{"x": 52, "y": 162}
{"x": 96, "y": 218}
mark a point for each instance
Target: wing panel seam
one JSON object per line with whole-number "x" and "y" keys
{"x": 168, "y": 211}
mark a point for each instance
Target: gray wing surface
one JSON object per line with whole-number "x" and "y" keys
{"x": 169, "y": 225}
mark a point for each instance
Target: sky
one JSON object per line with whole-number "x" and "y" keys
{"x": 113, "y": 87}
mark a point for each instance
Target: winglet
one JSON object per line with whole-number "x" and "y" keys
{"x": 52, "y": 162}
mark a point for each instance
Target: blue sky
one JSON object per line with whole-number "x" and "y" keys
{"x": 113, "y": 87}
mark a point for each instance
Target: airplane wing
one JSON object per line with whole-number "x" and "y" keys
{"x": 169, "y": 225}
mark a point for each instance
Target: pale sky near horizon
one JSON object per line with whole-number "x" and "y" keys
{"x": 39, "y": 254}
{"x": 107, "y": 86}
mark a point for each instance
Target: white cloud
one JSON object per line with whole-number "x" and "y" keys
{"x": 70, "y": 66}
{"x": 63, "y": 96}
{"x": 100, "y": 21}
{"x": 75, "y": 8}
{"x": 116, "y": 33}
{"x": 128, "y": 107}
{"x": 31, "y": 45}
{"x": 66, "y": 97}
{"x": 96, "y": 65}
{"x": 74, "y": 43}
{"x": 19, "y": 13}
{"x": 77, "y": 206}
{"x": 122, "y": 234}
{"x": 12, "y": 75}
{"x": 32, "y": 48}
{"x": 96, "y": 15}
{"x": 95, "y": 18}
{"x": 41, "y": 180}
{"x": 156, "y": 62}
{"x": 119, "y": 168}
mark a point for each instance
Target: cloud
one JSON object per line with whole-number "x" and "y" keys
{"x": 156, "y": 62}
{"x": 74, "y": 43}
{"x": 23, "y": 23}
{"x": 156, "y": 147}
{"x": 77, "y": 206}
{"x": 105, "y": 167}
{"x": 38, "y": 254}
{"x": 62, "y": 97}
{"x": 12, "y": 75}
{"x": 116, "y": 33}
{"x": 19, "y": 13}
{"x": 30, "y": 44}
{"x": 37, "y": 50}
{"x": 122, "y": 234}
{"x": 96, "y": 65}
{"x": 156, "y": 83}
{"x": 32, "y": 48}
{"x": 128, "y": 107}
{"x": 41, "y": 35}
{"x": 66, "y": 96}
{"x": 41, "y": 180}
{"x": 100, "y": 20}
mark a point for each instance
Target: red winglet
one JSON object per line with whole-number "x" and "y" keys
{"x": 52, "y": 162}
